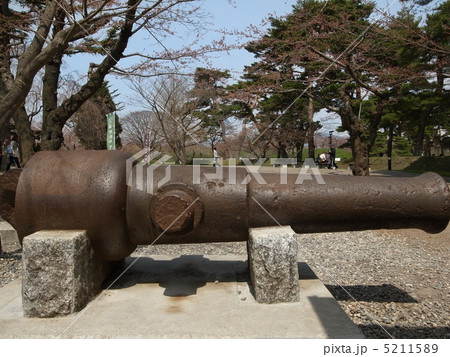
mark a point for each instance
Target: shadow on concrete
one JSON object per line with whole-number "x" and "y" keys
{"x": 184, "y": 275}
{"x": 181, "y": 276}
{"x": 372, "y": 293}
{"x": 326, "y": 311}
{"x": 305, "y": 272}
{"x": 15, "y": 254}
{"x": 422, "y": 332}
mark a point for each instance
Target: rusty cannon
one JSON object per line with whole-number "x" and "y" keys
{"x": 122, "y": 203}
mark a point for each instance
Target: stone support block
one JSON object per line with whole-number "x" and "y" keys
{"x": 61, "y": 273}
{"x": 272, "y": 253}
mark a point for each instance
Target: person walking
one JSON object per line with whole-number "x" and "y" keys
{"x": 14, "y": 155}
{"x": 332, "y": 153}
{"x": 216, "y": 157}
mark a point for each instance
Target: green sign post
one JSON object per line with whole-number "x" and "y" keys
{"x": 111, "y": 131}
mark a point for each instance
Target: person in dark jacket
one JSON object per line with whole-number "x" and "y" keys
{"x": 332, "y": 153}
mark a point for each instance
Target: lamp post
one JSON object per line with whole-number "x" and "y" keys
{"x": 331, "y": 137}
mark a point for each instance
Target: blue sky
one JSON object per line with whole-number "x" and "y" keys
{"x": 243, "y": 14}
{"x": 253, "y": 12}
{"x": 236, "y": 16}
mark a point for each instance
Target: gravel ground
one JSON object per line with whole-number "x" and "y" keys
{"x": 390, "y": 283}
{"x": 10, "y": 265}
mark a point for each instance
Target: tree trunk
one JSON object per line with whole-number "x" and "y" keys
{"x": 282, "y": 153}
{"x": 360, "y": 157}
{"x": 241, "y": 138}
{"x": 358, "y": 140}
{"x": 51, "y": 138}
{"x": 223, "y": 135}
{"x": 441, "y": 144}
{"x": 26, "y": 136}
{"x": 311, "y": 145}
{"x": 30, "y": 62}
{"x": 440, "y": 76}
{"x": 6, "y": 77}
{"x": 180, "y": 152}
{"x": 299, "y": 147}
{"x": 54, "y": 139}
{"x": 390, "y": 145}
{"x": 50, "y": 84}
{"x": 418, "y": 147}
{"x": 57, "y": 118}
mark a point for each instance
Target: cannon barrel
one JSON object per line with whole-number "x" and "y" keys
{"x": 122, "y": 204}
{"x": 345, "y": 203}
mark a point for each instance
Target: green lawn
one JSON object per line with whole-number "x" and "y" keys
{"x": 441, "y": 165}
{"x": 420, "y": 164}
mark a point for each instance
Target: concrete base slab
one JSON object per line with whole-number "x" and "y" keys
{"x": 186, "y": 297}
{"x": 9, "y": 241}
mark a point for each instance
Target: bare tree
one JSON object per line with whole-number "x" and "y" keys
{"x": 256, "y": 144}
{"x": 136, "y": 125}
{"x": 71, "y": 141}
{"x": 89, "y": 125}
{"x": 102, "y": 28}
{"x": 169, "y": 101}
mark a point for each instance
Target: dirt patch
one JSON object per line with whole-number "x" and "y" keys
{"x": 8, "y": 186}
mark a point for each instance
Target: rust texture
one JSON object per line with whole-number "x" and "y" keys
{"x": 76, "y": 190}
{"x": 176, "y": 209}
{"x": 346, "y": 203}
{"x": 222, "y": 208}
{"x": 169, "y": 204}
